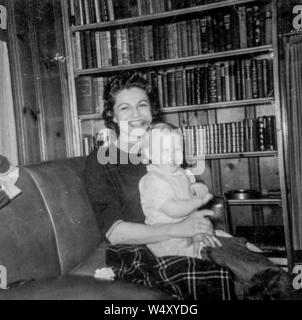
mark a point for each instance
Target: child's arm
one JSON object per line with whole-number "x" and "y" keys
{"x": 181, "y": 208}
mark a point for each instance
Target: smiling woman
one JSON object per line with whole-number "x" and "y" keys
{"x": 113, "y": 189}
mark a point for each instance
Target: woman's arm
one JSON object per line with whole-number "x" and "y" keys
{"x": 181, "y": 208}
{"x": 135, "y": 233}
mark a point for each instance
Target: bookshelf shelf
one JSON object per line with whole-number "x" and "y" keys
{"x": 219, "y": 105}
{"x": 251, "y": 202}
{"x": 234, "y": 155}
{"x": 158, "y": 16}
{"x": 178, "y": 61}
{"x": 90, "y": 117}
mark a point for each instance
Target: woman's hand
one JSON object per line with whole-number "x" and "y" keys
{"x": 196, "y": 223}
{"x": 201, "y": 191}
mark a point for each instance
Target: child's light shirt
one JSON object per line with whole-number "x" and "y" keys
{"x": 156, "y": 187}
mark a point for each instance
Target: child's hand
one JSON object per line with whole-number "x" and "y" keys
{"x": 204, "y": 240}
{"x": 201, "y": 191}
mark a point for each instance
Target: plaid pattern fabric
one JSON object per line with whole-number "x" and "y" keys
{"x": 183, "y": 278}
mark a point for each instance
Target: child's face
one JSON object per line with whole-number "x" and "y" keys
{"x": 167, "y": 149}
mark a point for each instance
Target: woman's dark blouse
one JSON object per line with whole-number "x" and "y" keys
{"x": 113, "y": 191}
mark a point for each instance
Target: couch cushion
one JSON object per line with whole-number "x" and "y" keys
{"x": 61, "y": 183}
{"x": 27, "y": 241}
{"x": 81, "y": 288}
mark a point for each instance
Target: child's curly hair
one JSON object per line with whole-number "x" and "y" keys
{"x": 128, "y": 81}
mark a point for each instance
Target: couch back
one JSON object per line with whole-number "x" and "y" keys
{"x": 50, "y": 228}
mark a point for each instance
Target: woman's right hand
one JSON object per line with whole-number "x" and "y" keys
{"x": 196, "y": 223}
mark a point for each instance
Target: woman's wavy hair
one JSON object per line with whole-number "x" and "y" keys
{"x": 128, "y": 81}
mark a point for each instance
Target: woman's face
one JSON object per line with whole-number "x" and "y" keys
{"x": 132, "y": 113}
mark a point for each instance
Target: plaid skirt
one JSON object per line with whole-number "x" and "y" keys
{"x": 183, "y": 278}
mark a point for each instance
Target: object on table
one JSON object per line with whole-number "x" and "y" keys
{"x": 242, "y": 194}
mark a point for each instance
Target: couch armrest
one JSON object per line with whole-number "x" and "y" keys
{"x": 96, "y": 260}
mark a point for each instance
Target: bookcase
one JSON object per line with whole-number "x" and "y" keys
{"x": 216, "y": 62}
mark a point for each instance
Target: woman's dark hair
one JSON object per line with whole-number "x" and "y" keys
{"x": 128, "y": 81}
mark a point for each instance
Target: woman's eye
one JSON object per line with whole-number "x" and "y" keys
{"x": 124, "y": 108}
{"x": 144, "y": 105}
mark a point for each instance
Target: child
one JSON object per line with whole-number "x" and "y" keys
{"x": 169, "y": 194}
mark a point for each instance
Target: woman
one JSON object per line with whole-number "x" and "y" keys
{"x": 130, "y": 106}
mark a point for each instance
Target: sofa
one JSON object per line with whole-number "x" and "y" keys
{"x": 50, "y": 244}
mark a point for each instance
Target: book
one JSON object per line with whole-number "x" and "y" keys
{"x": 268, "y": 24}
{"x": 242, "y": 26}
{"x": 228, "y": 32}
{"x": 84, "y": 95}
{"x": 250, "y": 26}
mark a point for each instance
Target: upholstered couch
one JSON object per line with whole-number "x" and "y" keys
{"x": 50, "y": 244}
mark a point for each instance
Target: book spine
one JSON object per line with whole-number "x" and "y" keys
{"x": 238, "y": 80}
{"x": 228, "y": 31}
{"x": 198, "y": 85}
{"x": 227, "y": 81}
{"x": 261, "y": 128}
{"x": 257, "y": 26}
{"x": 78, "y": 51}
{"x": 87, "y": 45}
{"x": 249, "y": 26}
{"x": 97, "y": 11}
{"x": 99, "y": 108}
{"x": 204, "y": 83}
{"x": 268, "y": 24}
{"x": 242, "y": 27}
{"x": 160, "y": 89}
{"x": 184, "y": 39}
{"x": 87, "y": 15}
{"x": 254, "y": 80}
{"x": 84, "y": 95}
{"x": 179, "y": 88}
{"x": 212, "y": 84}
{"x": 165, "y": 89}
{"x": 260, "y": 84}
{"x": 192, "y": 81}
{"x": 188, "y": 87}
{"x": 189, "y": 32}
{"x": 92, "y": 11}
{"x": 210, "y": 34}
{"x": 235, "y": 30}
{"x": 218, "y": 82}
{"x": 110, "y": 10}
{"x": 184, "y": 85}
{"x": 98, "y": 49}
{"x": 248, "y": 79}
{"x": 265, "y": 77}
{"x": 195, "y": 37}
{"x": 204, "y": 35}
{"x": 232, "y": 81}
{"x": 78, "y": 12}
{"x": 270, "y": 143}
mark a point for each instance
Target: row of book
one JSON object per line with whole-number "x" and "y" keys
{"x": 160, "y": 41}
{"x": 249, "y": 135}
{"x": 219, "y": 82}
{"x": 95, "y": 11}
{"x": 225, "y": 81}
{"x": 90, "y": 92}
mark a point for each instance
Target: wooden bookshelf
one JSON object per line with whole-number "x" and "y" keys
{"x": 174, "y": 62}
{"x": 234, "y": 155}
{"x": 269, "y": 52}
{"x": 254, "y": 202}
{"x": 220, "y": 105}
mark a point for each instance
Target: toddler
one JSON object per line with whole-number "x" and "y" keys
{"x": 169, "y": 194}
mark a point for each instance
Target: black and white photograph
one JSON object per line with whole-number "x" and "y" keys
{"x": 151, "y": 151}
